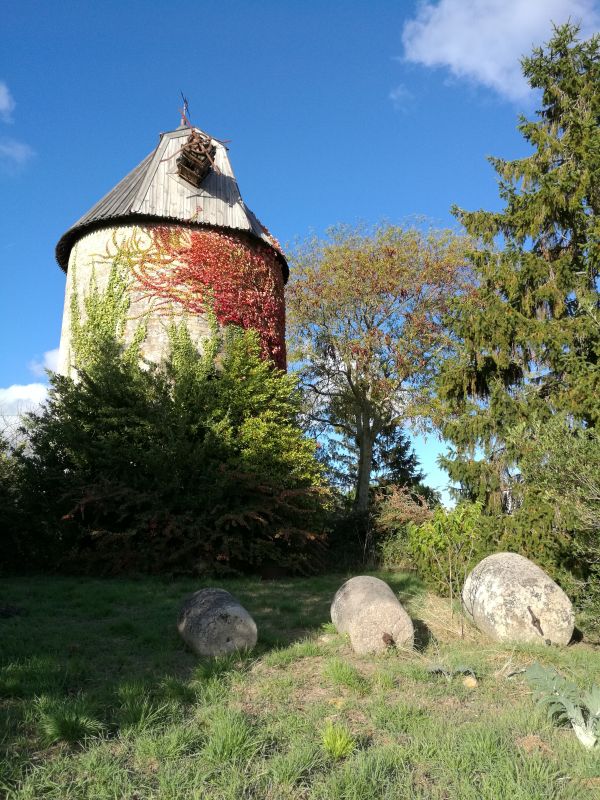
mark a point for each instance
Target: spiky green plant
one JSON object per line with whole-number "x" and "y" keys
{"x": 65, "y": 720}
{"x": 231, "y": 738}
{"x": 137, "y": 711}
{"x": 341, "y": 673}
{"x": 223, "y": 666}
{"x": 338, "y": 742}
{"x": 566, "y": 703}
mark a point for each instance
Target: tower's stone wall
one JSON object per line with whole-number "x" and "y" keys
{"x": 90, "y": 263}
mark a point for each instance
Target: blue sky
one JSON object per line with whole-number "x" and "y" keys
{"x": 336, "y": 112}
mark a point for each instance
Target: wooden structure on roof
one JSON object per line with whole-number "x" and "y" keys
{"x": 187, "y": 179}
{"x": 197, "y": 158}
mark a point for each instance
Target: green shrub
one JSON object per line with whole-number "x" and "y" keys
{"x": 560, "y": 464}
{"x": 196, "y": 465}
{"x": 443, "y": 548}
{"x": 534, "y": 531}
{"x": 394, "y": 509}
{"x": 17, "y": 550}
{"x": 393, "y": 551}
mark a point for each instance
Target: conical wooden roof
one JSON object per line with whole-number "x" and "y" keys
{"x": 155, "y": 192}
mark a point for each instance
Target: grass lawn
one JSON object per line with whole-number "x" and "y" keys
{"x": 100, "y": 699}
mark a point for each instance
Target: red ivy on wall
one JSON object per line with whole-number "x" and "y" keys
{"x": 242, "y": 280}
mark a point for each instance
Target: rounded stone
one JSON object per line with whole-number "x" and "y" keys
{"x": 212, "y": 622}
{"x": 379, "y": 625}
{"x": 352, "y": 596}
{"x": 511, "y": 599}
{"x": 368, "y": 610}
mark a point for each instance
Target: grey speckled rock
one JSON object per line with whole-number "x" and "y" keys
{"x": 369, "y": 611}
{"x": 212, "y": 622}
{"x": 511, "y": 599}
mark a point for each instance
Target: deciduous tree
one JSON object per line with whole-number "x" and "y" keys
{"x": 366, "y": 321}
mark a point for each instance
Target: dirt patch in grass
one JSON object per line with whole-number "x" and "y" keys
{"x": 307, "y": 687}
{"x": 533, "y": 744}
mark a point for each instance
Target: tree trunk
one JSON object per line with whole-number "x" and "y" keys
{"x": 365, "y": 465}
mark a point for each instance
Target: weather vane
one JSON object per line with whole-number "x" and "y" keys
{"x": 185, "y": 119}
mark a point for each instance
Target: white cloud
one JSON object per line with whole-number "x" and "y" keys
{"x": 483, "y": 40}
{"x": 7, "y": 103}
{"x": 400, "y": 97}
{"x": 49, "y": 361}
{"x": 14, "y": 153}
{"x": 19, "y": 398}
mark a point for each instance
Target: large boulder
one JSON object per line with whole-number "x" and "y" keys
{"x": 368, "y": 610}
{"x": 212, "y": 623}
{"x": 511, "y": 599}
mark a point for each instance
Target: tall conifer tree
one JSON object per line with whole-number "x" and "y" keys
{"x": 530, "y": 333}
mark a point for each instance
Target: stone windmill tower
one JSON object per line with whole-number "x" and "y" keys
{"x": 185, "y": 243}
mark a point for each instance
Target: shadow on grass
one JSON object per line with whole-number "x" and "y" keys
{"x": 288, "y": 610}
{"x": 423, "y": 635}
{"x": 90, "y": 654}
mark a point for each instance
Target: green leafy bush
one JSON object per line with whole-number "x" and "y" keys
{"x": 442, "y": 547}
{"x": 195, "y": 465}
{"x": 12, "y": 523}
{"x": 560, "y": 461}
{"x": 394, "y": 509}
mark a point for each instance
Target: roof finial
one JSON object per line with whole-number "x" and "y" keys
{"x": 185, "y": 112}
